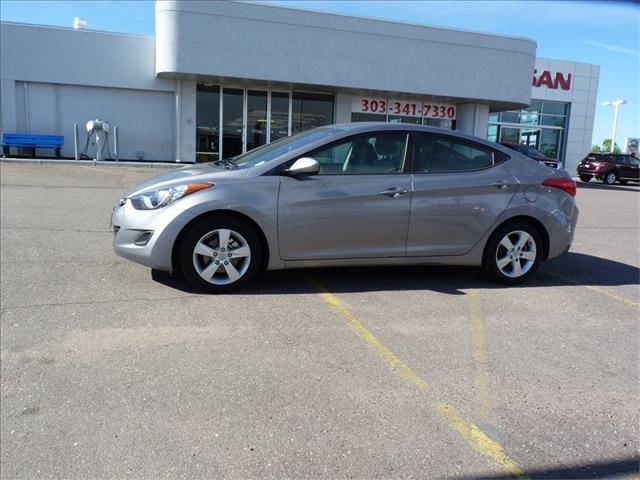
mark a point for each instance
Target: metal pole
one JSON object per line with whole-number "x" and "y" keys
{"x": 615, "y": 125}
{"x": 178, "y": 120}
{"x": 99, "y": 141}
{"x": 75, "y": 141}
{"x": 115, "y": 144}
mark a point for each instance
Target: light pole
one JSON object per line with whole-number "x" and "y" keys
{"x": 616, "y": 104}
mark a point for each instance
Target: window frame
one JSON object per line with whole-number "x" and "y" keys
{"x": 501, "y": 157}
{"x": 408, "y": 153}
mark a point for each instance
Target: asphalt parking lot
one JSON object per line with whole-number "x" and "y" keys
{"x": 110, "y": 370}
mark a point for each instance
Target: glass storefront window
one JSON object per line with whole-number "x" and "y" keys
{"x": 510, "y": 117}
{"x": 492, "y": 133}
{"x": 249, "y": 118}
{"x": 232, "y": 121}
{"x": 550, "y": 142}
{"x": 402, "y": 119}
{"x": 530, "y": 118}
{"x": 368, "y": 117}
{"x": 536, "y": 106}
{"x": 552, "y": 120}
{"x": 494, "y": 117}
{"x": 311, "y": 110}
{"x": 207, "y": 123}
{"x": 440, "y": 123}
{"x": 256, "y": 119}
{"x": 554, "y": 108}
{"x": 279, "y": 115}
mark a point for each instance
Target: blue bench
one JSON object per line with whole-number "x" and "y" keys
{"x": 29, "y": 140}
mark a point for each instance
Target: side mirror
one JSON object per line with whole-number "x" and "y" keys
{"x": 303, "y": 166}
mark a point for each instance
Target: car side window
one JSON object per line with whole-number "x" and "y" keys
{"x": 372, "y": 153}
{"x": 440, "y": 154}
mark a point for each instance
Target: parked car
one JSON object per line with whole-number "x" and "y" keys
{"x": 610, "y": 168}
{"x": 352, "y": 194}
{"x": 531, "y": 152}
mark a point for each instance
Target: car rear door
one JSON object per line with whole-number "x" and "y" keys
{"x": 460, "y": 188}
{"x": 627, "y": 168}
{"x": 356, "y": 207}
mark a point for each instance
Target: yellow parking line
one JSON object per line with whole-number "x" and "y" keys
{"x": 478, "y": 440}
{"x": 602, "y": 291}
{"x": 480, "y": 357}
{"x": 387, "y": 355}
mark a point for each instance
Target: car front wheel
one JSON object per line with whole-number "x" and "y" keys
{"x": 219, "y": 254}
{"x": 609, "y": 178}
{"x": 513, "y": 253}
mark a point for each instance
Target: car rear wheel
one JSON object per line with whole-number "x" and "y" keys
{"x": 513, "y": 253}
{"x": 585, "y": 178}
{"x": 610, "y": 178}
{"x": 219, "y": 254}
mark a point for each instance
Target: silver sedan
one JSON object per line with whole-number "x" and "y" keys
{"x": 352, "y": 194}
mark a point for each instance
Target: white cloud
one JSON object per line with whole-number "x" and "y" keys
{"x": 615, "y": 48}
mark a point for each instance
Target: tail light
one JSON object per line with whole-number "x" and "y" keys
{"x": 563, "y": 183}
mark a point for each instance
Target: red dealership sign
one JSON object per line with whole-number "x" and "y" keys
{"x": 553, "y": 82}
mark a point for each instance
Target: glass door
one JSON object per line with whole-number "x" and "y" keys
{"x": 279, "y": 115}
{"x": 232, "y": 121}
{"x": 207, "y": 123}
{"x": 256, "y": 119}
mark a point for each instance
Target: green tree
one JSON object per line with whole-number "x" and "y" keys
{"x": 606, "y": 146}
{"x": 596, "y": 149}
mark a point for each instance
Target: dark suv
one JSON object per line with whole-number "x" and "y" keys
{"x": 610, "y": 168}
{"x": 531, "y": 152}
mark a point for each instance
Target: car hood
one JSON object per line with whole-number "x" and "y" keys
{"x": 205, "y": 172}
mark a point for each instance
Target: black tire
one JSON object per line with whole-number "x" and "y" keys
{"x": 241, "y": 233}
{"x": 491, "y": 253}
{"x": 585, "y": 178}
{"x": 610, "y": 177}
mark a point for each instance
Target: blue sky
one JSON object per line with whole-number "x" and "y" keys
{"x": 604, "y": 33}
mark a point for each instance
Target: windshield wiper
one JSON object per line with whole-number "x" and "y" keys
{"x": 227, "y": 164}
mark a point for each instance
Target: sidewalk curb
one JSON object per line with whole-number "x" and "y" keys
{"x": 53, "y": 161}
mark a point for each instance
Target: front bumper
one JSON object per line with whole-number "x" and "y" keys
{"x": 146, "y": 237}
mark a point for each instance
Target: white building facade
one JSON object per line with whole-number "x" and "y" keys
{"x": 221, "y": 78}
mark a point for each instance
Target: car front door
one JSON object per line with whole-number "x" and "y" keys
{"x": 356, "y": 207}
{"x": 460, "y": 188}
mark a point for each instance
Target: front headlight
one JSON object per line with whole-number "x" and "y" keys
{"x": 162, "y": 197}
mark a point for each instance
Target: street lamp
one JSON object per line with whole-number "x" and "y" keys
{"x": 615, "y": 103}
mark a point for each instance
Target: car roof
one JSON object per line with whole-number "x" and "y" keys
{"x": 363, "y": 127}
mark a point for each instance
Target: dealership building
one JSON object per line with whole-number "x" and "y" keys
{"x": 221, "y": 78}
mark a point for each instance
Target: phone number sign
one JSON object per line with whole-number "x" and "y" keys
{"x": 403, "y": 108}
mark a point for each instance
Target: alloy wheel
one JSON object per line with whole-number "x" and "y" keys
{"x": 222, "y": 257}
{"x": 516, "y": 254}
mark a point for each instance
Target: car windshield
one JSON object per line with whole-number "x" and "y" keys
{"x": 266, "y": 153}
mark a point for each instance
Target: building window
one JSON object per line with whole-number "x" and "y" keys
{"x": 279, "y": 115}
{"x": 311, "y": 110}
{"x": 230, "y": 121}
{"x": 542, "y": 126}
{"x": 207, "y": 123}
{"x": 368, "y": 117}
{"x": 256, "y": 119}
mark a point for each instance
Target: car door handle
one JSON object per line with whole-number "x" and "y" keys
{"x": 394, "y": 192}
{"x": 500, "y": 184}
